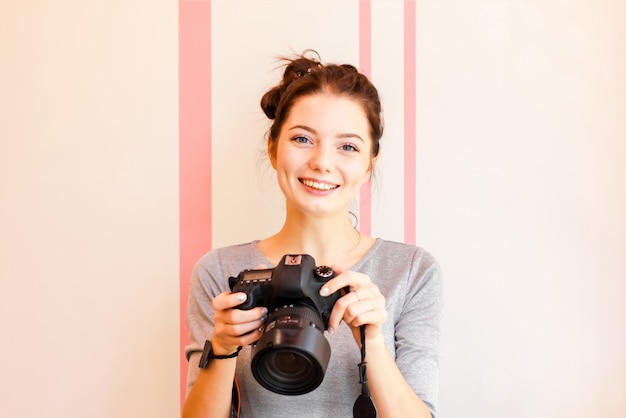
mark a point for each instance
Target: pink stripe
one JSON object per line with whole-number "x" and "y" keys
{"x": 365, "y": 66}
{"x": 194, "y": 149}
{"x": 410, "y": 114}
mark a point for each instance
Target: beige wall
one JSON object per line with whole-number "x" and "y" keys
{"x": 522, "y": 169}
{"x": 89, "y": 212}
{"x": 521, "y": 191}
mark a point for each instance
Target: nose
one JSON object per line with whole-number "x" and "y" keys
{"x": 321, "y": 158}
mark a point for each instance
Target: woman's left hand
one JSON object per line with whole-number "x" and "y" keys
{"x": 362, "y": 305}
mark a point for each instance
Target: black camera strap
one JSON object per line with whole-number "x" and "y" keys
{"x": 235, "y": 406}
{"x": 364, "y": 406}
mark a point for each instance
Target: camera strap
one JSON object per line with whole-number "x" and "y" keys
{"x": 364, "y": 406}
{"x": 235, "y": 406}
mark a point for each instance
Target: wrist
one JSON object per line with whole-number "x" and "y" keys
{"x": 375, "y": 343}
{"x": 219, "y": 349}
{"x": 208, "y": 354}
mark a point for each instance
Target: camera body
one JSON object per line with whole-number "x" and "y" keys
{"x": 296, "y": 280}
{"x": 292, "y": 354}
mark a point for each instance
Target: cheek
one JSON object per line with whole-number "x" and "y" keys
{"x": 285, "y": 170}
{"x": 286, "y": 159}
{"x": 366, "y": 167}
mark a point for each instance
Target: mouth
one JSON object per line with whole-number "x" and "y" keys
{"x": 318, "y": 186}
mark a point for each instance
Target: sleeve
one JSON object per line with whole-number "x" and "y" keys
{"x": 418, "y": 330}
{"x": 204, "y": 286}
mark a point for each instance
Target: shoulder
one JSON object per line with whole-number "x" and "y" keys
{"x": 229, "y": 253}
{"x": 211, "y": 272}
{"x": 410, "y": 264}
{"x": 230, "y": 260}
{"x": 398, "y": 252}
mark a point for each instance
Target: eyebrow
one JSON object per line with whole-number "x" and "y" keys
{"x": 314, "y": 132}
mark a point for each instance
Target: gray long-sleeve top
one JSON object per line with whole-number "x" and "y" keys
{"x": 407, "y": 276}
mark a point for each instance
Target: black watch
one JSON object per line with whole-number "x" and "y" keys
{"x": 207, "y": 354}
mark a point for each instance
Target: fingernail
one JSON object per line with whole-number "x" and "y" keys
{"x": 331, "y": 331}
{"x": 241, "y": 297}
{"x": 325, "y": 291}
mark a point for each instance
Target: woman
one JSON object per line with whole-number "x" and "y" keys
{"x": 323, "y": 144}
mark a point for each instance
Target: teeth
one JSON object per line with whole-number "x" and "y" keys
{"x": 318, "y": 186}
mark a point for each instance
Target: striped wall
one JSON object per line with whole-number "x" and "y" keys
{"x": 467, "y": 90}
{"x": 131, "y": 142}
{"x": 222, "y": 77}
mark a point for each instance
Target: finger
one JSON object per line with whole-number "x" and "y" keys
{"x": 239, "y": 328}
{"x": 364, "y": 299}
{"x": 234, "y": 316}
{"x": 350, "y": 279}
{"x": 230, "y": 342}
{"x": 228, "y": 300}
{"x": 339, "y": 310}
{"x": 365, "y": 292}
{"x": 365, "y": 312}
{"x": 335, "y": 318}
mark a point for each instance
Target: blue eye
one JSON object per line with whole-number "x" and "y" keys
{"x": 301, "y": 139}
{"x": 349, "y": 147}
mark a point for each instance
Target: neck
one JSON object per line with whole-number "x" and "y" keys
{"x": 330, "y": 240}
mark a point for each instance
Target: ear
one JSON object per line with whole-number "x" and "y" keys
{"x": 270, "y": 154}
{"x": 370, "y": 170}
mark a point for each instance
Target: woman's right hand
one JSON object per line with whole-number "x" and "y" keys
{"x": 235, "y": 327}
{"x": 211, "y": 393}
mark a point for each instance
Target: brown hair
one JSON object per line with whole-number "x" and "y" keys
{"x": 308, "y": 76}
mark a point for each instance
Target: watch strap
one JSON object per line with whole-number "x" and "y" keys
{"x": 207, "y": 354}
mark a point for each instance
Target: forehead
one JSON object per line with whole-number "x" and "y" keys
{"x": 329, "y": 112}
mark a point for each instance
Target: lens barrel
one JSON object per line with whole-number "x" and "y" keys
{"x": 291, "y": 356}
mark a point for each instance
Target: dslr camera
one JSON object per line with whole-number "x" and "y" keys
{"x": 292, "y": 354}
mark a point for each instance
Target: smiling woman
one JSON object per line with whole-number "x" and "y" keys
{"x": 323, "y": 144}
{"x": 323, "y": 155}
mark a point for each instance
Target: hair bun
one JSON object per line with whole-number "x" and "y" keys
{"x": 295, "y": 69}
{"x": 269, "y": 102}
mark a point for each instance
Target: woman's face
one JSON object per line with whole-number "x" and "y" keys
{"x": 323, "y": 154}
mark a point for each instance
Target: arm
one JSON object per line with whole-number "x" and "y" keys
{"x": 390, "y": 392}
{"x": 210, "y": 395}
{"x": 404, "y": 382}
{"x": 213, "y": 317}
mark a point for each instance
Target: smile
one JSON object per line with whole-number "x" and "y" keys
{"x": 318, "y": 186}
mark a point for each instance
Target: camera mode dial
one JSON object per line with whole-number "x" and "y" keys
{"x": 324, "y": 272}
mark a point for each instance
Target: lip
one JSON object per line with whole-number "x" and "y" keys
{"x": 318, "y": 186}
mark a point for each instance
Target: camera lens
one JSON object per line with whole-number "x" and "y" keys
{"x": 288, "y": 363}
{"x": 292, "y": 355}
{"x": 285, "y": 369}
